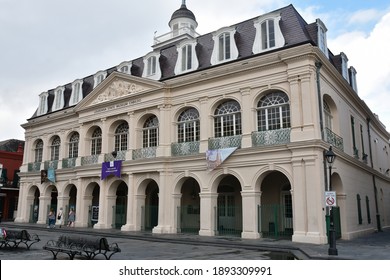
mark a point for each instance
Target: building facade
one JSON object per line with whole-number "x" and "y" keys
{"x": 11, "y": 158}
{"x": 222, "y": 133}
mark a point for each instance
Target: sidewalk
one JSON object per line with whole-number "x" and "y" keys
{"x": 375, "y": 246}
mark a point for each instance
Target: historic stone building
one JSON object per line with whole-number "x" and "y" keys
{"x": 222, "y": 133}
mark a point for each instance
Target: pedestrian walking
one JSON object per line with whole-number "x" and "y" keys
{"x": 52, "y": 218}
{"x": 71, "y": 217}
{"x": 60, "y": 218}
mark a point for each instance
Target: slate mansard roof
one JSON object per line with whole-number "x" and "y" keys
{"x": 294, "y": 28}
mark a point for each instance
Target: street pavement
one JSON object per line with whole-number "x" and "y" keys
{"x": 148, "y": 246}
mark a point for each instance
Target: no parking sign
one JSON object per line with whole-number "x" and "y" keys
{"x": 330, "y": 199}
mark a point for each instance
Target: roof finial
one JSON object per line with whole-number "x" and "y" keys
{"x": 184, "y": 2}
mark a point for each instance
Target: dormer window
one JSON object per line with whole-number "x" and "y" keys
{"x": 187, "y": 59}
{"x": 152, "y": 67}
{"x": 42, "y": 109}
{"x": 321, "y": 34}
{"x": 58, "y": 98}
{"x": 124, "y": 67}
{"x": 268, "y": 33}
{"x": 344, "y": 66}
{"x": 99, "y": 77}
{"x": 225, "y": 48}
{"x": 352, "y": 78}
{"x": 77, "y": 92}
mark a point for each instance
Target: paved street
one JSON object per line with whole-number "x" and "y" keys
{"x": 146, "y": 246}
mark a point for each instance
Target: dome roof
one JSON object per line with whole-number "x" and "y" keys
{"x": 183, "y": 12}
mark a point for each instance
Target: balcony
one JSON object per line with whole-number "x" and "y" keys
{"x": 184, "y": 31}
{"x": 89, "y": 160}
{"x": 144, "y": 153}
{"x": 68, "y": 162}
{"x": 225, "y": 142}
{"x": 120, "y": 155}
{"x": 184, "y": 148}
{"x": 333, "y": 139}
{"x": 271, "y": 137}
{"x": 34, "y": 166}
{"x": 51, "y": 164}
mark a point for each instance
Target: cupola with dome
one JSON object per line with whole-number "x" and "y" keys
{"x": 183, "y": 25}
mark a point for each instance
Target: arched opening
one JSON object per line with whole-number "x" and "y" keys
{"x": 276, "y": 209}
{"x": 151, "y": 206}
{"x": 34, "y": 211}
{"x": 229, "y": 207}
{"x": 190, "y": 206}
{"x": 121, "y": 205}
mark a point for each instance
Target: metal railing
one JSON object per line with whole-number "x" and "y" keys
{"x": 184, "y": 148}
{"x": 88, "y": 160}
{"x": 51, "y": 164}
{"x": 333, "y": 139}
{"x": 144, "y": 153}
{"x": 225, "y": 142}
{"x": 271, "y": 137}
{"x": 68, "y": 162}
{"x": 34, "y": 166}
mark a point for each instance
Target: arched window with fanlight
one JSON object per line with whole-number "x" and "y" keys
{"x": 96, "y": 142}
{"x": 121, "y": 136}
{"x": 74, "y": 145}
{"x": 55, "y": 148}
{"x": 150, "y": 132}
{"x": 273, "y": 112}
{"x": 327, "y": 116}
{"x": 227, "y": 119}
{"x": 188, "y": 126}
{"x": 38, "y": 151}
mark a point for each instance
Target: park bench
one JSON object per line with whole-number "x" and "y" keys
{"x": 81, "y": 246}
{"x": 10, "y": 238}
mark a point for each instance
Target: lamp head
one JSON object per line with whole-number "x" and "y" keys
{"x": 330, "y": 155}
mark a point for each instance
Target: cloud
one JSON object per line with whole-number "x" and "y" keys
{"x": 368, "y": 53}
{"x": 364, "y": 16}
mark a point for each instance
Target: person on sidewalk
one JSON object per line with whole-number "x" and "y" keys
{"x": 71, "y": 218}
{"x": 52, "y": 218}
{"x": 60, "y": 218}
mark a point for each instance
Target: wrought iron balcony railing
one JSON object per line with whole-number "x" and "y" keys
{"x": 333, "y": 139}
{"x": 120, "y": 155}
{"x": 271, "y": 137}
{"x": 144, "y": 153}
{"x": 68, "y": 162}
{"x": 184, "y": 148}
{"x": 34, "y": 166}
{"x": 225, "y": 142}
{"x": 88, "y": 160}
{"x": 51, "y": 164}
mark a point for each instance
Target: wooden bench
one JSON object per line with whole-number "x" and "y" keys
{"x": 82, "y": 246}
{"x": 13, "y": 238}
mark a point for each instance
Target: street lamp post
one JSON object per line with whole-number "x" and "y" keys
{"x": 330, "y": 157}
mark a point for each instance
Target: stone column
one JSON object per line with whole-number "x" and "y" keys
{"x": 250, "y": 222}
{"x": 246, "y": 118}
{"x": 131, "y": 205}
{"x": 208, "y": 215}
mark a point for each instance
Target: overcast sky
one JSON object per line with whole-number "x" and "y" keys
{"x": 48, "y": 43}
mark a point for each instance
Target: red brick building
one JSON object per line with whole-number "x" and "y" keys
{"x": 11, "y": 158}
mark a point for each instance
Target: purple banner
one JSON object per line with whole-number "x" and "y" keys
{"x": 111, "y": 168}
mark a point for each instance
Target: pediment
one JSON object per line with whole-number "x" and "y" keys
{"x": 118, "y": 86}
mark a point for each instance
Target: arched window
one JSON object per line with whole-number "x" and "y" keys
{"x": 273, "y": 112}
{"x": 74, "y": 145}
{"x": 121, "y": 135}
{"x": 188, "y": 126}
{"x": 39, "y": 151}
{"x": 96, "y": 143}
{"x": 55, "y": 148}
{"x": 227, "y": 119}
{"x": 150, "y": 133}
{"x": 327, "y": 116}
